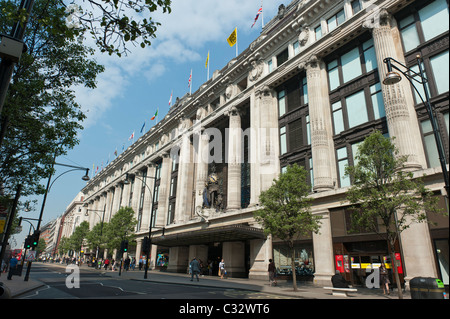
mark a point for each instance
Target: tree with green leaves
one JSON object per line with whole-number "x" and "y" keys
{"x": 64, "y": 246}
{"x": 41, "y": 116}
{"x": 286, "y": 210}
{"x": 384, "y": 194}
{"x": 112, "y": 24}
{"x": 79, "y": 235}
{"x": 95, "y": 238}
{"x": 120, "y": 227}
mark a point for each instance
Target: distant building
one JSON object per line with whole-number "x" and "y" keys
{"x": 306, "y": 91}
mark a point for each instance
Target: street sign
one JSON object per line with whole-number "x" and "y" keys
{"x": 31, "y": 255}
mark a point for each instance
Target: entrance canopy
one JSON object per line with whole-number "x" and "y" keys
{"x": 210, "y": 235}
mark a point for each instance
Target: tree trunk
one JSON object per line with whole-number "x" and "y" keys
{"x": 395, "y": 268}
{"x": 397, "y": 277}
{"x": 294, "y": 275}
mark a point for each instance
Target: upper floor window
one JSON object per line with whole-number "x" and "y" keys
{"x": 356, "y": 6}
{"x": 270, "y": 65}
{"x": 353, "y": 63}
{"x": 282, "y": 57}
{"x": 420, "y": 25}
{"x": 318, "y": 32}
{"x": 292, "y": 94}
{"x": 296, "y": 47}
{"x": 336, "y": 20}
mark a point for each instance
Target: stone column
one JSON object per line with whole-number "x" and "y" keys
{"x": 92, "y": 214}
{"x": 200, "y": 252}
{"x": 148, "y": 197}
{"x": 178, "y": 259}
{"x": 183, "y": 204}
{"x": 255, "y": 123}
{"x": 322, "y": 145}
{"x": 109, "y": 202}
{"x": 233, "y": 254}
{"x": 126, "y": 194}
{"x": 418, "y": 252}
{"x": 323, "y": 251}
{"x": 153, "y": 256}
{"x": 164, "y": 188}
{"x": 137, "y": 188}
{"x": 116, "y": 203}
{"x": 234, "y": 160}
{"x": 260, "y": 253}
{"x": 202, "y": 167}
{"x": 398, "y": 99}
{"x": 268, "y": 139}
{"x": 138, "y": 249}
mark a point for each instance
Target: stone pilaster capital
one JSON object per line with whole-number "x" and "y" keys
{"x": 377, "y": 18}
{"x": 233, "y": 111}
{"x": 264, "y": 91}
{"x": 165, "y": 154}
{"x": 312, "y": 62}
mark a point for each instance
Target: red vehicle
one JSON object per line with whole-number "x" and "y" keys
{"x": 17, "y": 253}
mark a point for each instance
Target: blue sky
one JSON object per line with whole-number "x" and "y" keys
{"x": 132, "y": 88}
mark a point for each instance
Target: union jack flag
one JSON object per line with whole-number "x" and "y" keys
{"x": 257, "y": 16}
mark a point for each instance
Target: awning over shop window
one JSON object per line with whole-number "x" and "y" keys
{"x": 210, "y": 235}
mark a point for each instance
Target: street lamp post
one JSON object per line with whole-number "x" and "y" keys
{"x": 126, "y": 182}
{"x": 47, "y": 190}
{"x": 101, "y": 226}
{"x": 393, "y": 77}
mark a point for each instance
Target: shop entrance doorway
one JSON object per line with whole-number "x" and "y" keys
{"x": 214, "y": 257}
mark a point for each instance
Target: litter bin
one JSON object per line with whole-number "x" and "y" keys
{"x": 427, "y": 288}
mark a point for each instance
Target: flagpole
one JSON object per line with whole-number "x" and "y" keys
{"x": 236, "y": 43}
{"x": 262, "y": 16}
{"x": 190, "y": 85}
{"x": 207, "y": 78}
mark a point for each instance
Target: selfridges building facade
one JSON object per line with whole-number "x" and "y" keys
{"x": 306, "y": 91}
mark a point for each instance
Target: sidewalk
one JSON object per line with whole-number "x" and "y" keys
{"x": 284, "y": 288}
{"x": 17, "y": 286}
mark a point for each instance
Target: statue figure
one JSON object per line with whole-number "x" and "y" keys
{"x": 212, "y": 198}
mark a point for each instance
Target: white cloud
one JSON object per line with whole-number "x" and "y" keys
{"x": 180, "y": 38}
{"x": 111, "y": 85}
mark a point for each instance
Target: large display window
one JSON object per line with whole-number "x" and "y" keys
{"x": 304, "y": 260}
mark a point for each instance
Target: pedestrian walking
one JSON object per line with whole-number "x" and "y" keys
{"x": 222, "y": 270}
{"x": 272, "y": 273}
{"x": 12, "y": 267}
{"x": 384, "y": 279}
{"x": 195, "y": 268}
{"x": 127, "y": 263}
{"x": 106, "y": 264}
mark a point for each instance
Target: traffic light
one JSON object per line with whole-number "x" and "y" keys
{"x": 146, "y": 245}
{"x": 35, "y": 239}
{"x": 124, "y": 246}
{"x": 28, "y": 241}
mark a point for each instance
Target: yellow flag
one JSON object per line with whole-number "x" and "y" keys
{"x": 232, "y": 39}
{"x": 207, "y": 60}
